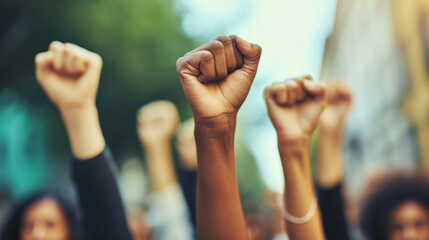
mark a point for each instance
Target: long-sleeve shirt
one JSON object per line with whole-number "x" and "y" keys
{"x": 100, "y": 201}
{"x": 332, "y": 210}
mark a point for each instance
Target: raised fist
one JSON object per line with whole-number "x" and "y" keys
{"x": 186, "y": 145}
{"x": 157, "y": 122}
{"x": 69, "y": 74}
{"x": 217, "y": 76}
{"x": 339, "y": 97}
{"x": 295, "y": 106}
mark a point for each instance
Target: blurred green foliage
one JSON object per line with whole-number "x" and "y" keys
{"x": 139, "y": 41}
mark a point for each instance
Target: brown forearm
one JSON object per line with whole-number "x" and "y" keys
{"x": 329, "y": 171}
{"x": 219, "y": 213}
{"x": 299, "y": 189}
{"x": 84, "y": 131}
{"x": 160, "y": 166}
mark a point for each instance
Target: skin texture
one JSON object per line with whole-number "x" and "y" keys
{"x": 44, "y": 220}
{"x": 409, "y": 221}
{"x": 156, "y": 125}
{"x": 186, "y": 145}
{"x": 69, "y": 75}
{"x": 329, "y": 171}
{"x": 295, "y": 107}
{"x": 216, "y": 79}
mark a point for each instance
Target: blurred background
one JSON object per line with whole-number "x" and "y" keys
{"x": 381, "y": 47}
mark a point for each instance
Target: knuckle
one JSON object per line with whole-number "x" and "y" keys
{"x": 55, "y": 45}
{"x": 38, "y": 58}
{"x": 179, "y": 62}
{"x": 96, "y": 59}
{"x": 233, "y": 37}
{"x": 224, "y": 39}
{"x": 206, "y": 56}
{"x": 216, "y": 46}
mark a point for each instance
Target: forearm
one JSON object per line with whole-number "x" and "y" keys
{"x": 329, "y": 158}
{"x": 299, "y": 189}
{"x": 84, "y": 131}
{"x": 160, "y": 166}
{"x": 219, "y": 213}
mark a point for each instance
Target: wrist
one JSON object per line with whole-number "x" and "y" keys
{"x": 293, "y": 143}
{"x": 74, "y": 112}
{"x": 216, "y": 127}
{"x": 84, "y": 131}
{"x": 331, "y": 134}
{"x": 294, "y": 149}
{"x": 156, "y": 145}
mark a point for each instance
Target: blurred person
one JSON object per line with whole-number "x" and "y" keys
{"x": 257, "y": 228}
{"x": 186, "y": 145}
{"x": 294, "y": 107}
{"x": 216, "y": 79}
{"x": 329, "y": 159}
{"x": 137, "y": 224}
{"x": 157, "y": 123}
{"x": 69, "y": 75}
{"x": 187, "y": 151}
{"x": 275, "y": 218}
{"x": 397, "y": 208}
{"x": 44, "y": 214}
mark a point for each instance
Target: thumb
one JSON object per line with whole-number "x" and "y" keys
{"x": 251, "y": 54}
{"x": 315, "y": 89}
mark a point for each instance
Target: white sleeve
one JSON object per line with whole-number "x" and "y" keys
{"x": 169, "y": 215}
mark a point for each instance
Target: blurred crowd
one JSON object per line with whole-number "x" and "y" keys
{"x": 188, "y": 186}
{"x": 199, "y": 197}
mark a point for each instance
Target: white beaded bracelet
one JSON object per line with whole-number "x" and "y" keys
{"x": 298, "y": 220}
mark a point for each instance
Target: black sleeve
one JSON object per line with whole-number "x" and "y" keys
{"x": 332, "y": 210}
{"x": 100, "y": 200}
{"x": 188, "y": 181}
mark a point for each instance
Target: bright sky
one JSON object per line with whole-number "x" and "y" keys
{"x": 292, "y": 34}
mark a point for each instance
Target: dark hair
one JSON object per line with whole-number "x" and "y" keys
{"x": 12, "y": 224}
{"x": 391, "y": 193}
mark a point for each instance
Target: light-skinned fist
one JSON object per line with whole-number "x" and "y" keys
{"x": 295, "y": 106}
{"x": 338, "y": 106}
{"x": 217, "y": 76}
{"x": 69, "y": 75}
{"x": 157, "y": 122}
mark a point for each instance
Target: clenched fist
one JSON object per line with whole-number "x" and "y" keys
{"x": 69, "y": 75}
{"x": 295, "y": 106}
{"x": 339, "y": 101}
{"x": 217, "y": 76}
{"x": 157, "y": 122}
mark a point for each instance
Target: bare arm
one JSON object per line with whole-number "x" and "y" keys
{"x": 330, "y": 140}
{"x": 216, "y": 78}
{"x": 157, "y": 123}
{"x": 294, "y": 108}
{"x": 69, "y": 75}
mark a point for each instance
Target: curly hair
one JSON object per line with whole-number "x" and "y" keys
{"x": 390, "y": 194}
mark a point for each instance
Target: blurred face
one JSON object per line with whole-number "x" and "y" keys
{"x": 44, "y": 220}
{"x": 409, "y": 221}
